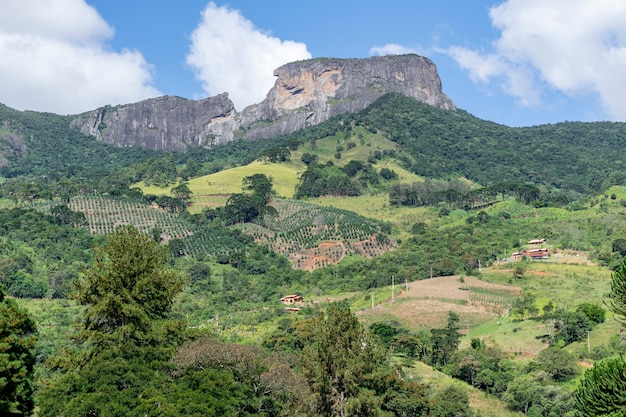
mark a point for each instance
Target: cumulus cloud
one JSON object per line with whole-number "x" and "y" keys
{"x": 392, "y": 49}
{"x": 229, "y": 54}
{"x": 573, "y": 46}
{"x": 55, "y": 58}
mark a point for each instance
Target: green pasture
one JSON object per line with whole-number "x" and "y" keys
{"x": 154, "y": 189}
{"x": 284, "y": 178}
{"x": 566, "y": 285}
{"x": 509, "y": 334}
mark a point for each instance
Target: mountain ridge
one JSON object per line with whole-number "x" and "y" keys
{"x": 306, "y": 93}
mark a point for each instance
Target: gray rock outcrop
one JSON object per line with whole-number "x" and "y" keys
{"x": 306, "y": 93}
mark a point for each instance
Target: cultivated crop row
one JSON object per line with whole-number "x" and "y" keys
{"x": 314, "y": 236}
{"x": 104, "y": 214}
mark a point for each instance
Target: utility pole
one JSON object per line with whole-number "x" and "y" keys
{"x": 372, "y": 300}
{"x": 392, "y": 288}
{"x": 588, "y": 344}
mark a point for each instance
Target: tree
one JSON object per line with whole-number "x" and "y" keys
{"x": 250, "y": 381}
{"x": 558, "y": 363}
{"x": 128, "y": 286}
{"x": 243, "y": 208}
{"x": 445, "y": 341}
{"x": 182, "y": 191}
{"x": 617, "y": 300}
{"x": 388, "y": 174}
{"x": 619, "y": 246}
{"x": 527, "y": 193}
{"x": 199, "y": 275}
{"x": 572, "y": 326}
{"x": 240, "y": 208}
{"x": 17, "y": 358}
{"x": 276, "y": 154}
{"x": 342, "y": 365}
{"x": 594, "y": 312}
{"x": 602, "y": 391}
{"x": 522, "y": 393}
{"x": 525, "y": 303}
{"x": 176, "y": 247}
{"x": 387, "y": 331}
{"x": 260, "y": 185}
{"x": 64, "y": 215}
{"x": 451, "y": 401}
{"x": 199, "y": 271}
{"x": 118, "y": 368}
{"x": 309, "y": 158}
{"x": 191, "y": 169}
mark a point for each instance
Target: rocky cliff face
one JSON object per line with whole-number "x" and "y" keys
{"x": 305, "y": 93}
{"x": 163, "y": 123}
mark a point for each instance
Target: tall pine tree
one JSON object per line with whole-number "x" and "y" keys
{"x": 602, "y": 391}
{"x": 17, "y": 358}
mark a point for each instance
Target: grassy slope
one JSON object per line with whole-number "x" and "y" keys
{"x": 485, "y": 405}
{"x": 365, "y": 144}
{"x": 284, "y": 177}
{"x": 567, "y": 285}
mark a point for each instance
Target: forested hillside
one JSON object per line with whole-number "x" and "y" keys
{"x": 431, "y": 142}
{"x": 156, "y": 284}
{"x": 584, "y": 157}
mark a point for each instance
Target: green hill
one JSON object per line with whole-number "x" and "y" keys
{"x": 351, "y": 248}
{"x": 34, "y": 144}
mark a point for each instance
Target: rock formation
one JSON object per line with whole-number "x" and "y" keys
{"x": 306, "y": 93}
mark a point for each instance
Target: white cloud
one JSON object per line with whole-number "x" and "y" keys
{"x": 54, "y": 58}
{"x": 392, "y": 49}
{"x": 229, "y": 54}
{"x": 573, "y": 46}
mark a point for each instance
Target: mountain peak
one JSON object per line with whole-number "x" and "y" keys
{"x": 305, "y": 93}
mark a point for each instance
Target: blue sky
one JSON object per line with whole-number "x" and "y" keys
{"x": 516, "y": 62}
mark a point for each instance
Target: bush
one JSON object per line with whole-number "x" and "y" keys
{"x": 594, "y": 312}
{"x": 388, "y": 174}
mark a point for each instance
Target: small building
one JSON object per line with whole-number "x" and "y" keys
{"x": 291, "y": 299}
{"x": 538, "y": 253}
{"x": 517, "y": 256}
{"x": 537, "y": 241}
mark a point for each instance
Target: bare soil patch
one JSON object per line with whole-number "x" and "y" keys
{"x": 426, "y": 303}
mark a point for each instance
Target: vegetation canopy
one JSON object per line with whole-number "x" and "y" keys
{"x": 128, "y": 285}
